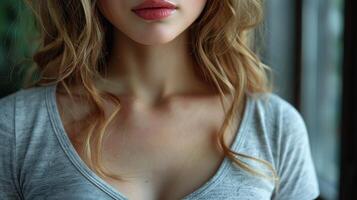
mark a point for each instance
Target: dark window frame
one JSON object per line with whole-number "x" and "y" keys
{"x": 348, "y": 173}
{"x": 298, "y": 54}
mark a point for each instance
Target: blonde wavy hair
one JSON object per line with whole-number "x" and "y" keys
{"x": 75, "y": 44}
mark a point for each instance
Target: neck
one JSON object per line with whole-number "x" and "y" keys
{"x": 151, "y": 73}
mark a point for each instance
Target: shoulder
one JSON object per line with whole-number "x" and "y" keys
{"x": 20, "y": 105}
{"x": 277, "y": 114}
{"x": 280, "y": 123}
{"x": 272, "y": 104}
{"x": 274, "y": 126}
{"x": 23, "y": 94}
{"x": 7, "y": 112}
{"x": 286, "y": 134}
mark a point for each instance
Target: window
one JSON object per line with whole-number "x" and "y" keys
{"x": 304, "y": 46}
{"x": 321, "y": 87}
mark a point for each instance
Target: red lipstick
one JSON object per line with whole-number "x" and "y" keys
{"x": 154, "y": 9}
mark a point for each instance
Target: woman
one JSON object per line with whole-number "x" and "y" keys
{"x": 132, "y": 104}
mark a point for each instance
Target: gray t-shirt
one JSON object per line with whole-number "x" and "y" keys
{"x": 38, "y": 161}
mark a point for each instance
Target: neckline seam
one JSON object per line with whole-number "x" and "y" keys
{"x": 238, "y": 140}
{"x": 50, "y": 102}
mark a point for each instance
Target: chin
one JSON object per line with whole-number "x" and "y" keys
{"x": 154, "y": 37}
{"x": 154, "y": 40}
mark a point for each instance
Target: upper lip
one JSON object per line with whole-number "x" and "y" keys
{"x": 155, "y": 4}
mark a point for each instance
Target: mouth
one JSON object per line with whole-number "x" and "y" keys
{"x": 155, "y": 4}
{"x": 154, "y": 9}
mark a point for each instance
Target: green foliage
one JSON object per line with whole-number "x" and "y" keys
{"x": 17, "y": 43}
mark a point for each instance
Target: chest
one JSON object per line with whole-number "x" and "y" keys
{"x": 169, "y": 169}
{"x": 165, "y": 160}
{"x": 162, "y": 155}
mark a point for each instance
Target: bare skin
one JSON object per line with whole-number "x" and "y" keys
{"x": 163, "y": 139}
{"x": 166, "y": 152}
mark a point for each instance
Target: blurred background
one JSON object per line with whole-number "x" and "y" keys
{"x": 311, "y": 47}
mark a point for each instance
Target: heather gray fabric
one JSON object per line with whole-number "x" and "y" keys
{"x": 37, "y": 160}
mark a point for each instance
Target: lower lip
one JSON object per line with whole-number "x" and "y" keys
{"x": 154, "y": 13}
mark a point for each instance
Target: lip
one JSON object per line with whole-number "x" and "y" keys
{"x": 154, "y": 9}
{"x": 155, "y": 4}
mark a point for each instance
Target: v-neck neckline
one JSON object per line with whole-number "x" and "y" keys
{"x": 68, "y": 148}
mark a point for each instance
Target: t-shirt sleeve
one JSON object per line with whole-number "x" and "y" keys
{"x": 294, "y": 162}
{"x": 7, "y": 152}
